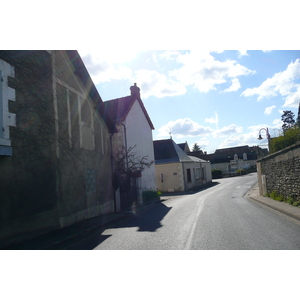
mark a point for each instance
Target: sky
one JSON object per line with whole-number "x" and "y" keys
{"x": 217, "y": 99}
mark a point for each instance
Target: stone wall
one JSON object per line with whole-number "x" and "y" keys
{"x": 280, "y": 172}
{"x": 57, "y": 173}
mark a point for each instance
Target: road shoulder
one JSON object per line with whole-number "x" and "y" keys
{"x": 285, "y": 208}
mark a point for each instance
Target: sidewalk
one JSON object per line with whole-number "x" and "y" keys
{"x": 285, "y": 208}
{"x": 56, "y": 240}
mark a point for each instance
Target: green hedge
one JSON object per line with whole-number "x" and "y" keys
{"x": 149, "y": 195}
{"x": 216, "y": 173}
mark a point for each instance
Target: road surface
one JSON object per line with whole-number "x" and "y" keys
{"x": 217, "y": 218}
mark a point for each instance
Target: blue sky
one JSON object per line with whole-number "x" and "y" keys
{"x": 215, "y": 98}
{"x": 218, "y": 99}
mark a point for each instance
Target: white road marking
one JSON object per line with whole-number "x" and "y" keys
{"x": 189, "y": 241}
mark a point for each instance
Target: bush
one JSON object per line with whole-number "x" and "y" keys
{"x": 149, "y": 195}
{"x": 241, "y": 172}
{"x": 216, "y": 174}
{"x": 296, "y": 203}
{"x": 290, "y": 137}
{"x": 275, "y": 196}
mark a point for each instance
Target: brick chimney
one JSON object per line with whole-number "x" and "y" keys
{"x": 135, "y": 91}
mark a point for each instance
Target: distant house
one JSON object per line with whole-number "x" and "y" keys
{"x": 134, "y": 132}
{"x": 229, "y": 160}
{"x": 55, "y": 153}
{"x": 176, "y": 171}
{"x": 185, "y": 147}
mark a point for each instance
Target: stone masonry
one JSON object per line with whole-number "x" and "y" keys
{"x": 280, "y": 172}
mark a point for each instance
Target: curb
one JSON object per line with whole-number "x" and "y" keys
{"x": 284, "y": 208}
{"x": 283, "y": 211}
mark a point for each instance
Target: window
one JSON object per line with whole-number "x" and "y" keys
{"x": 189, "y": 177}
{"x": 197, "y": 173}
{"x": 7, "y": 119}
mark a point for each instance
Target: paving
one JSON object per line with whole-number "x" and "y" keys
{"x": 57, "y": 240}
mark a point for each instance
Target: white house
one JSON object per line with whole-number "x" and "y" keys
{"x": 134, "y": 131}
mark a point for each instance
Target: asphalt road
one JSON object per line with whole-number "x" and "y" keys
{"x": 216, "y": 218}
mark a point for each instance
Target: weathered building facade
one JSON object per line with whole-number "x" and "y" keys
{"x": 55, "y": 153}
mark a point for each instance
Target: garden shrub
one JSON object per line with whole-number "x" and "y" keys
{"x": 149, "y": 195}
{"x": 216, "y": 174}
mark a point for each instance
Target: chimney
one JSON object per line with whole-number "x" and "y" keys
{"x": 135, "y": 91}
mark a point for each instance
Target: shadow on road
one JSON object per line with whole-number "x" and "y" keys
{"x": 149, "y": 220}
{"x": 92, "y": 243}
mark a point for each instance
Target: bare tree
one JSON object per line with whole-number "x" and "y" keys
{"x": 126, "y": 161}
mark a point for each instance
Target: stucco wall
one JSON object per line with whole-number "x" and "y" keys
{"x": 139, "y": 134}
{"x": 175, "y": 176}
{"x": 173, "y": 180}
{"x": 195, "y": 182}
{"x": 280, "y": 172}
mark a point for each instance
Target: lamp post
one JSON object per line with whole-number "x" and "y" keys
{"x": 268, "y": 136}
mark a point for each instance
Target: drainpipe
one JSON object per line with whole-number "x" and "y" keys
{"x": 125, "y": 136}
{"x": 201, "y": 172}
{"x": 112, "y": 169}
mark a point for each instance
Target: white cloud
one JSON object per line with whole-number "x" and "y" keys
{"x": 201, "y": 70}
{"x": 277, "y": 123}
{"x": 236, "y": 140}
{"x": 189, "y": 128}
{"x": 106, "y": 65}
{"x": 202, "y": 143}
{"x": 170, "y": 54}
{"x": 280, "y": 111}
{"x": 183, "y": 128}
{"x": 269, "y": 109}
{"x": 156, "y": 84}
{"x": 235, "y": 85}
{"x": 293, "y": 99}
{"x": 249, "y": 138}
{"x": 213, "y": 120}
{"x": 282, "y": 83}
{"x": 243, "y": 53}
{"x": 228, "y": 130}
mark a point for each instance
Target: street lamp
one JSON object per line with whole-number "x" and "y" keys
{"x": 268, "y": 136}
